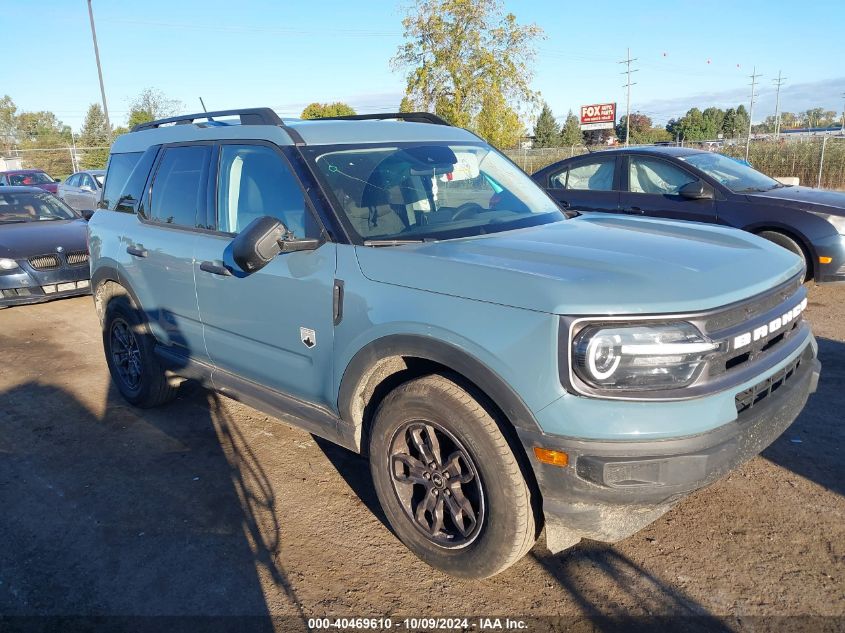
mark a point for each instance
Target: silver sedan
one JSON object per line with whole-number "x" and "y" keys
{"x": 83, "y": 190}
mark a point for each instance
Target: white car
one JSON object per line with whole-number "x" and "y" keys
{"x": 83, "y": 190}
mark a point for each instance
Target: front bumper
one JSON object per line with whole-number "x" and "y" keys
{"x": 611, "y": 489}
{"x": 834, "y": 248}
{"x": 28, "y": 285}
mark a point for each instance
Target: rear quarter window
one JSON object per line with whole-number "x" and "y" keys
{"x": 117, "y": 173}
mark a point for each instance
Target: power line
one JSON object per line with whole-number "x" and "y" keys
{"x": 778, "y": 82}
{"x": 627, "y": 86}
{"x": 754, "y": 77}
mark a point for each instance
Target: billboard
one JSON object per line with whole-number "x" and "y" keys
{"x": 598, "y": 116}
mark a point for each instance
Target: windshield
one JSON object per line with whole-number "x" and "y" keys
{"x": 32, "y": 178}
{"x": 33, "y": 207}
{"x": 437, "y": 191}
{"x": 734, "y": 175}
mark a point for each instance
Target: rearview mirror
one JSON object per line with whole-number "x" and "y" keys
{"x": 262, "y": 240}
{"x": 697, "y": 190}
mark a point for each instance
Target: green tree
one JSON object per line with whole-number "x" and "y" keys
{"x": 712, "y": 121}
{"x": 47, "y": 140}
{"x": 152, "y": 104}
{"x": 457, "y": 51}
{"x": 546, "y": 133}
{"x": 321, "y": 110}
{"x": 497, "y": 122}
{"x": 8, "y": 124}
{"x": 95, "y": 133}
{"x": 570, "y": 133}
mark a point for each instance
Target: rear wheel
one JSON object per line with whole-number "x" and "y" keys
{"x": 791, "y": 245}
{"x": 448, "y": 480}
{"x": 129, "y": 346}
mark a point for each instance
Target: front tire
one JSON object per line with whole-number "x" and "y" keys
{"x": 448, "y": 481}
{"x": 129, "y": 348}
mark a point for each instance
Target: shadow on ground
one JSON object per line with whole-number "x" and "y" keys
{"x": 161, "y": 512}
{"x": 813, "y": 446}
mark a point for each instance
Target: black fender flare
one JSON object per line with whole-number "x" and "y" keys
{"x": 454, "y": 358}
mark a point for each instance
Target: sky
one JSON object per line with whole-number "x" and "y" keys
{"x": 287, "y": 54}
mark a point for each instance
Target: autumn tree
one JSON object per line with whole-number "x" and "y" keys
{"x": 457, "y": 52}
{"x": 8, "y": 124}
{"x": 546, "y": 132}
{"x": 150, "y": 105}
{"x": 322, "y": 110}
{"x": 95, "y": 133}
{"x": 570, "y": 133}
{"x": 497, "y": 121}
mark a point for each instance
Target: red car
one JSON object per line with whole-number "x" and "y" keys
{"x": 29, "y": 178}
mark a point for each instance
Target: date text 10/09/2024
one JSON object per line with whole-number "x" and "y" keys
{"x": 414, "y": 624}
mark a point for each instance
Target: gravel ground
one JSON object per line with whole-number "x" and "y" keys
{"x": 208, "y": 508}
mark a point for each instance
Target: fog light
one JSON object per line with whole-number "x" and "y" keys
{"x": 548, "y": 456}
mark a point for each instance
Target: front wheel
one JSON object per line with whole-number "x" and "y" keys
{"x": 448, "y": 480}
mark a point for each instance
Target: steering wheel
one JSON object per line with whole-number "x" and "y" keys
{"x": 467, "y": 209}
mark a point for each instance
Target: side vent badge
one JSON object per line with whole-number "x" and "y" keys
{"x": 308, "y": 337}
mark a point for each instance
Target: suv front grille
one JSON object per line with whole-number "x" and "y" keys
{"x": 751, "y": 396}
{"x": 45, "y": 262}
{"x": 77, "y": 258}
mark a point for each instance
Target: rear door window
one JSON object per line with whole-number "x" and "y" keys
{"x": 179, "y": 186}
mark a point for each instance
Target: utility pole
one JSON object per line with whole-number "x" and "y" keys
{"x": 99, "y": 68}
{"x": 754, "y": 77}
{"x": 627, "y": 86}
{"x": 778, "y": 83}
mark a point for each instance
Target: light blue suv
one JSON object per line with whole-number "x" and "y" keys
{"x": 399, "y": 287}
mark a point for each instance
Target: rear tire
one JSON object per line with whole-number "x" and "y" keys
{"x": 791, "y": 245}
{"x": 468, "y": 510}
{"x": 129, "y": 348}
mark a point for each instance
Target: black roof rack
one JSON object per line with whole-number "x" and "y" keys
{"x": 248, "y": 116}
{"x": 411, "y": 117}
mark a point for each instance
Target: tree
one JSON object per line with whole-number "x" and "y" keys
{"x": 570, "y": 133}
{"x": 497, "y": 122}
{"x": 643, "y": 131}
{"x": 43, "y": 132}
{"x": 546, "y": 132}
{"x": 322, "y": 110}
{"x": 152, "y": 104}
{"x": 8, "y": 124}
{"x": 95, "y": 133}
{"x": 457, "y": 51}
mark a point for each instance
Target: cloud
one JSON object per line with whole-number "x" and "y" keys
{"x": 825, "y": 94}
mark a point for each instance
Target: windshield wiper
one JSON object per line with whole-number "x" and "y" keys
{"x": 395, "y": 242}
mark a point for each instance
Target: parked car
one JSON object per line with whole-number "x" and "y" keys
{"x": 28, "y": 178}
{"x": 402, "y": 289}
{"x": 43, "y": 250}
{"x": 83, "y": 189}
{"x": 688, "y": 184}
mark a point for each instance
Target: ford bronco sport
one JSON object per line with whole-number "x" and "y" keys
{"x": 397, "y": 286}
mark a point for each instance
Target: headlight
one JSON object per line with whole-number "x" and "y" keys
{"x": 8, "y": 264}
{"x": 639, "y": 357}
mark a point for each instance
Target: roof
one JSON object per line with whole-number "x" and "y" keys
{"x": 95, "y": 172}
{"x": 294, "y": 131}
{"x": 666, "y": 150}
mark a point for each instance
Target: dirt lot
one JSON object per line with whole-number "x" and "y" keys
{"x": 207, "y": 507}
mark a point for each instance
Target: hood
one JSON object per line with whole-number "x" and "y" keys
{"x": 25, "y": 239}
{"x": 52, "y": 187}
{"x": 593, "y": 264}
{"x": 804, "y": 197}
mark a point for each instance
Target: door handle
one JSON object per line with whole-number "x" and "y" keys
{"x": 634, "y": 211}
{"x": 137, "y": 251}
{"x": 215, "y": 269}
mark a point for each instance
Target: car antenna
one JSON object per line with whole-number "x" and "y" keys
{"x": 202, "y": 103}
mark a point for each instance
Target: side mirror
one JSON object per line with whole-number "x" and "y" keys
{"x": 697, "y": 190}
{"x": 262, "y": 240}
{"x": 87, "y": 213}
